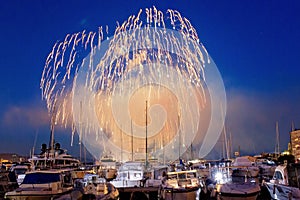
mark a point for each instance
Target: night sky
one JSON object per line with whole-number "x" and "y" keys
{"x": 255, "y": 45}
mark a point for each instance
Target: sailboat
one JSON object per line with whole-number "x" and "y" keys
{"x": 181, "y": 183}
{"x": 131, "y": 173}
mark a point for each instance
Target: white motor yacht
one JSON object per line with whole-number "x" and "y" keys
{"x": 108, "y": 167}
{"x": 180, "y": 185}
{"x": 285, "y": 183}
{"x": 53, "y": 158}
{"x": 42, "y": 185}
{"x": 130, "y": 174}
{"x": 95, "y": 187}
{"x": 245, "y": 166}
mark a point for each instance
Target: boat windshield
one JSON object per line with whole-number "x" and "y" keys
{"x": 132, "y": 166}
{"x": 181, "y": 175}
{"x": 20, "y": 171}
{"x": 41, "y": 178}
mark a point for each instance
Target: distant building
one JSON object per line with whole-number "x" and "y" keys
{"x": 295, "y": 143}
{"x": 11, "y": 157}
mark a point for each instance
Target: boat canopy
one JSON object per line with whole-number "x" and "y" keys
{"x": 41, "y": 178}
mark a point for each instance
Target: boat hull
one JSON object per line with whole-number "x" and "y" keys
{"x": 245, "y": 172}
{"x": 230, "y": 196}
{"x": 179, "y": 194}
{"x": 126, "y": 183}
{"x": 236, "y": 191}
{"x": 267, "y": 171}
{"x": 238, "y": 198}
{"x": 130, "y": 174}
{"x": 100, "y": 191}
{"x": 282, "y": 192}
{"x": 38, "y": 195}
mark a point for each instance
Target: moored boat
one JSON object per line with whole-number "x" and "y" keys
{"x": 285, "y": 183}
{"x": 6, "y": 183}
{"x": 238, "y": 191}
{"x": 130, "y": 174}
{"x": 19, "y": 172}
{"x": 94, "y": 187}
{"x": 53, "y": 158}
{"x": 266, "y": 167}
{"x": 245, "y": 166}
{"x": 180, "y": 185}
{"x": 202, "y": 167}
{"x": 108, "y": 167}
{"x": 44, "y": 184}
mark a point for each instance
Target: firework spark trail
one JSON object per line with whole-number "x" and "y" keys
{"x": 135, "y": 43}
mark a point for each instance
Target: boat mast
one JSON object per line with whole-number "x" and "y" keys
{"x": 230, "y": 145}
{"x": 121, "y": 144}
{"x": 226, "y": 151}
{"x": 84, "y": 155}
{"x": 146, "y": 135}
{"x": 179, "y": 135}
{"x": 290, "y": 142}
{"x": 51, "y": 142}
{"x": 192, "y": 153}
{"x": 80, "y": 134}
{"x": 226, "y": 142}
{"x": 33, "y": 148}
{"x": 163, "y": 142}
{"x": 131, "y": 141}
{"x": 277, "y": 150}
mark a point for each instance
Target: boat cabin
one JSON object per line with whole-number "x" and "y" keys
{"x": 287, "y": 174}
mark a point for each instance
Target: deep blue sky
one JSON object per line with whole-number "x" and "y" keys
{"x": 254, "y": 43}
